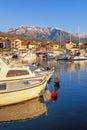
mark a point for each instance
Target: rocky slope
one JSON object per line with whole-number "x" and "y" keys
{"x": 43, "y": 34}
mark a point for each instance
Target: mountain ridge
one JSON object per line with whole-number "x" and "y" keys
{"x": 43, "y": 34}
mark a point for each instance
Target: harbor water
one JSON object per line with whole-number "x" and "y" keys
{"x": 68, "y": 111}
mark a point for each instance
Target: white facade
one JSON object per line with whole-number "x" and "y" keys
{"x": 16, "y": 43}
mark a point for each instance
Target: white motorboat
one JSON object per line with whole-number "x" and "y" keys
{"x": 63, "y": 57}
{"x": 18, "y": 84}
{"x": 78, "y": 55}
{"x": 28, "y": 57}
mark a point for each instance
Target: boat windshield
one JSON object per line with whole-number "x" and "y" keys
{"x": 6, "y": 61}
{"x": 12, "y": 73}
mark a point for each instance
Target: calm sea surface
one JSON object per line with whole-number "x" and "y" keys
{"x": 67, "y": 112}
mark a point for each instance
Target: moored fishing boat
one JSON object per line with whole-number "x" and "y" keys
{"x": 18, "y": 84}
{"x": 18, "y": 91}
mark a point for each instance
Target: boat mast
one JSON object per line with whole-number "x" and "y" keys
{"x": 79, "y": 33}
{"x": 70, "y": 37}
{"x": 79, "y": 37}
{"x": 60, "y": 36}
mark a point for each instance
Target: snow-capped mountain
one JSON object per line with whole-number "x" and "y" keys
{"x": 82, "y": 35}
{"x": 39, "y": 33}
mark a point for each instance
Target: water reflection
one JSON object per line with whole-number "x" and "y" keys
{"x": 54, "y": 94}
{"x": 62, "y": 66}
{"x": 56, "y": 86}
{"x": 25, "y": 110}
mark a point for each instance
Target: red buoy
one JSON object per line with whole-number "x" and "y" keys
{"x": 54, "y": 94}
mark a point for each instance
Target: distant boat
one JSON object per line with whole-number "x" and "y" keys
{"x": 52, "y": 54}
{"x": 78, "y": 55}
{"x": 63, "y": 56}
{"x": 28, "y": 57}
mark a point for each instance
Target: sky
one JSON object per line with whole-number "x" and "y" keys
{"x": 69, "y": 15}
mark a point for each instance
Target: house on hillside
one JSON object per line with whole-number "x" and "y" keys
{"x": 32, "y": 45}
{"x": 16, "y": 43}
{"x": 52, "y": 46}
{"x": 83, "y": 45}
{"x": 23, "y": 46}
{"x": 43, "y": 46}
{"x": 69, "y": 44}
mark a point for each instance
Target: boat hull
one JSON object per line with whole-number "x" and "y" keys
{"x": 19, "y": 95}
